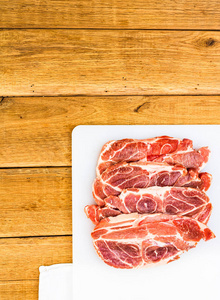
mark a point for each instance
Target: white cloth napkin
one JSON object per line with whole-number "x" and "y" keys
{"x": 55, "y": 282}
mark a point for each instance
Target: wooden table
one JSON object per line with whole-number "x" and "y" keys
{"x": 64, "y": 63}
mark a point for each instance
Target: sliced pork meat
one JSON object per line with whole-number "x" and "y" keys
{"x": 189, "y": 159}
{"x": 96, "y": 213}
{"x": 170, "y": 200}
{"x": 142, "y": 175}
{"x": 133, "y": 240}
{"x": 129, "y": 150}
{"x": 161, "y": 149}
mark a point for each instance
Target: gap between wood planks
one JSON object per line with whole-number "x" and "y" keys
{"x": 3, "y": 98}
{"x": 106, "y": 29}
{"x": 35, "y": 167}
{"x": 34, "y": 236}
{"x": 2, "y": 281}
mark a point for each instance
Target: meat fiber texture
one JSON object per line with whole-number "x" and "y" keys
{"x": 170, "y": 200}
{"x": 142, "y": 175}
{"x": 135, "y": 240}
{"x": 151, "y": 202}
{"x": 160, "y": 149}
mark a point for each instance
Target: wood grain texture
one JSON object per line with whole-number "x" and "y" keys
{"x": 35, "y": 202}
{"x": 37, "y": 131}
{"x": 22, "y": 257}
{"x": 109, "y": 62}
{"x": 19, "y": 290}
{"x": 110, "y": 14}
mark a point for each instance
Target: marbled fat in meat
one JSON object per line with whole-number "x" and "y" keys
{"x": 134, "y": 240}
{"x": 171, "y": 200}
{"x": 159, "y": 149}
{"x": 142, "y": 175}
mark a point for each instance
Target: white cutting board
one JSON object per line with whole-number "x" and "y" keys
{"x": 196, "y": 275}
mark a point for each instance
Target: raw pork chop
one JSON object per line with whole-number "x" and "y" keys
{"x": 189, "y": 159}
{"x": 161, "y": 149}
{"x": 134, "y": 240}
{"x": 141, "y": 175}
{"x": 171, "y": 200}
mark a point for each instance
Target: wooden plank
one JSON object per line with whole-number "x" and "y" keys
{"x": 109, "y": 62}
{"x": 37, "y": 131}
{"x": 19, "y": 290}
{"x": 22, "y": 257}
{"x": 35, "y": 202}
{"x": 110, "y": 14}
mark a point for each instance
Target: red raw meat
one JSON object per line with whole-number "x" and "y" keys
{"x": 142, "y": 175}
{"x": 189, "y": 159}
{"x": 96, "y": 213}
{"x": 170, "y": 200}
{"x": 161, "y": 149}
{"x": 134, "y": 240}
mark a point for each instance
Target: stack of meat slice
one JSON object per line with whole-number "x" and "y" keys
{"x": 150, "y": 198}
